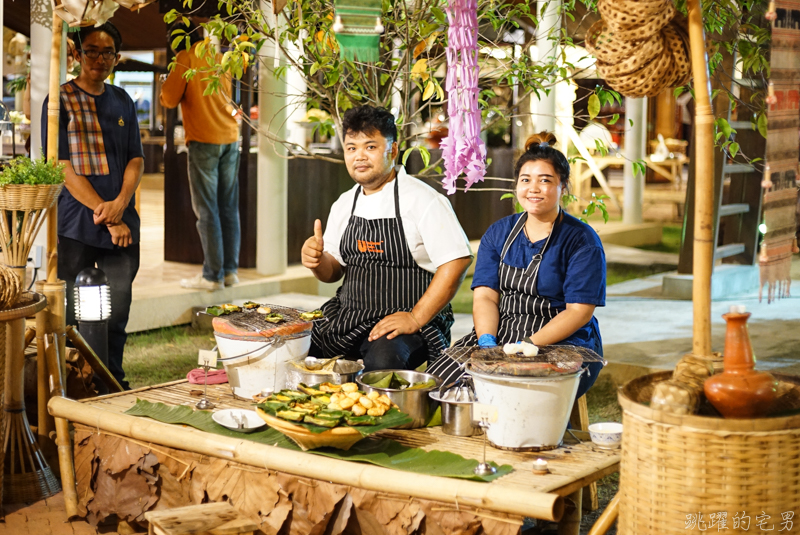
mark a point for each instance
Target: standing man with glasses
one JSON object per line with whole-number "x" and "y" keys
{"x": 212, "y": 137}
{"x": 99, "y": 143}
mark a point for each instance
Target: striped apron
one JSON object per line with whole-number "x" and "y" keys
{"x": 523, "y": 311}
{"x": 381, "y": 277}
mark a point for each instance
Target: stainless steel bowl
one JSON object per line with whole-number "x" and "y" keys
{"x": 416, "y": 403}
{"x": 456, "y": 417}
{"x": 344, "y": 371}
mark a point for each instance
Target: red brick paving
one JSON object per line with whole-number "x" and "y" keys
{"x": 46, "y": 517}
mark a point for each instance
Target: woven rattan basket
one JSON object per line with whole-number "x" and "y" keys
{"x": 675, "y": 468}
{"x": 28, "y": 197}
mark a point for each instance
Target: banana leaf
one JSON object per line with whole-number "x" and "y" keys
{"x": 378, "y": 451}
{"x": 392, "y": 418}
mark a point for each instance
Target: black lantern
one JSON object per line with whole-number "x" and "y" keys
{"x": 92, "y": 310}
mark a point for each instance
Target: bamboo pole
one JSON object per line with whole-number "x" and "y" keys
{"x": 571, "y": 521}
{"x": 516, "y": 501}
{"x": 63, "y": 439}
{"x": 53, "y": 110}
{"x": 30, "y": 334}
{"x": 704, "y": 186}
{"x": 94, "y": 361}
{"x": 607, "y": 518}
{"x": 51, "y": 320}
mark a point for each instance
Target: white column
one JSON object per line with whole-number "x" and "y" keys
{"x": 41, "y": 39}
{"x": 544, "y": 109}
{"x": 296, "y": 87}
{"x": 271, "y": 241}
{"x": 634, "y": 149}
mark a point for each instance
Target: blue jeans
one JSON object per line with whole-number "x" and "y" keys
{"x": 214, "y": 184}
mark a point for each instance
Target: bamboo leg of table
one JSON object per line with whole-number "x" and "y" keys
{"x": 580, "y": 420}
{"x": 570, "y": 523}
{"x": 66, "y": 461}
{"x": 605, "y": 520}
{"x": 51, "y": 320}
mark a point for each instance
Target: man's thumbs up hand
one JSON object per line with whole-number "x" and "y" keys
{"x": 313, "y": 247}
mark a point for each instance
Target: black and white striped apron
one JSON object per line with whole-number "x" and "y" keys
{"x": 381, "y": 277}
{"x": 523, "y": 311}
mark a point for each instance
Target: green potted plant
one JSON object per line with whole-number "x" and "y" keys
{"x": 28, "y": 188}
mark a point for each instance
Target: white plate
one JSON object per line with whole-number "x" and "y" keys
{"x": 230, "y": 417}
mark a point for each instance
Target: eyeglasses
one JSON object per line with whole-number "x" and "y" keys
{"x": 108, "y": 55}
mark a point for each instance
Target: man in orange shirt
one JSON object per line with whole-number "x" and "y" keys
{"x": 212, "y": 137}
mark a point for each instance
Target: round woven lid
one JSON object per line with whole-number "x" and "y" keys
{"x": 646, "y": 82}
{"x": 643, "y": 31}
{"x": 600, "y": 42}
{"x": 646, "y": 52}
{"x": 631, "y": 15}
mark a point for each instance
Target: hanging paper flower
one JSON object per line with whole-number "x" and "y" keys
{"x": 463, "y": 150}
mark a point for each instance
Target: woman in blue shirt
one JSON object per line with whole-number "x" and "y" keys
{"x": 539, "y": 273}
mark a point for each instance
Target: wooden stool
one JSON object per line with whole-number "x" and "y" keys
{"x": 580, "y": 420}
{"x": 205, "y": 519}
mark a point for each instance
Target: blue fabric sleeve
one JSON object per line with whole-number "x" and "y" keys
{"x": 488, "y": 261}
{"x": 585, "y": 281}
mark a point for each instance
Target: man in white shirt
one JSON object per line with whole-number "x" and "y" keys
{"x": 399, "y": 247}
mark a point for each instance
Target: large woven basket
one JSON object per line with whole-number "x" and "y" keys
{"x": 676, "y": 468}
{"x": 28, "y": 197}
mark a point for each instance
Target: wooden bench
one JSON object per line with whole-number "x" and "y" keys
{"x": 204, "y": 519}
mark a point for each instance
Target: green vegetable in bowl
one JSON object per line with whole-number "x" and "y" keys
{"x": 430, "y": 383}
{"x": 393, "y": 381}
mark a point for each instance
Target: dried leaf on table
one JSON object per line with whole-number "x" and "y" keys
{"x": 317, "y": 497}
{"x": 127, "y": 494}
{"x": 248, "y": 489}
{"x": 398, "y": 515}
{"x": 368, "y": 523}
{"x": 85, "y": 468}
{"x": 495, "y": 526}
{"x": 117, "y": 454}
{"x": 273, "y": 523}
{"x": 452, "y": 521}
{"x": 173, "y": 493}
{"x": 341, "y": 516}
{"x": 430, "y": 527}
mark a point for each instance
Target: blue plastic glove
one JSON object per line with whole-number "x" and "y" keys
{"x": 487, "y": 340}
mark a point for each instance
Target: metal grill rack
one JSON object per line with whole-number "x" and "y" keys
{"x": 551, "y": 360}
{"x": 253, "y": 321}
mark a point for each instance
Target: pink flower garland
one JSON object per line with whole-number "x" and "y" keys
{"x": 463, "y": 149}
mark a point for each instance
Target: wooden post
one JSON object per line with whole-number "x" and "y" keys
{"x": 63, "y": 439}
{"x": 704, "y": 188}
{"x": 53, "y": 110}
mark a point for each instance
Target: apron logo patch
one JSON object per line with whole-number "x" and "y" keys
{"x": 369, "y": 246}
{"x": 121, "y": 122}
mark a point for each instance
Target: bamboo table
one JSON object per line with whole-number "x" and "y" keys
{"x": 26, "y": 475}
{"x": 511, "y": 497}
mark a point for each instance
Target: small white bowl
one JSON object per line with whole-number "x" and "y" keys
{"x": 606, "y": 435}
{"x": 230, "y": 418}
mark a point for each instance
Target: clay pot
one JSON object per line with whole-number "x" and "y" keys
{"x": 740, "y": 391}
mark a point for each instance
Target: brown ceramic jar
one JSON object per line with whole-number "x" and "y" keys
{"x": 740, "y": 391}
